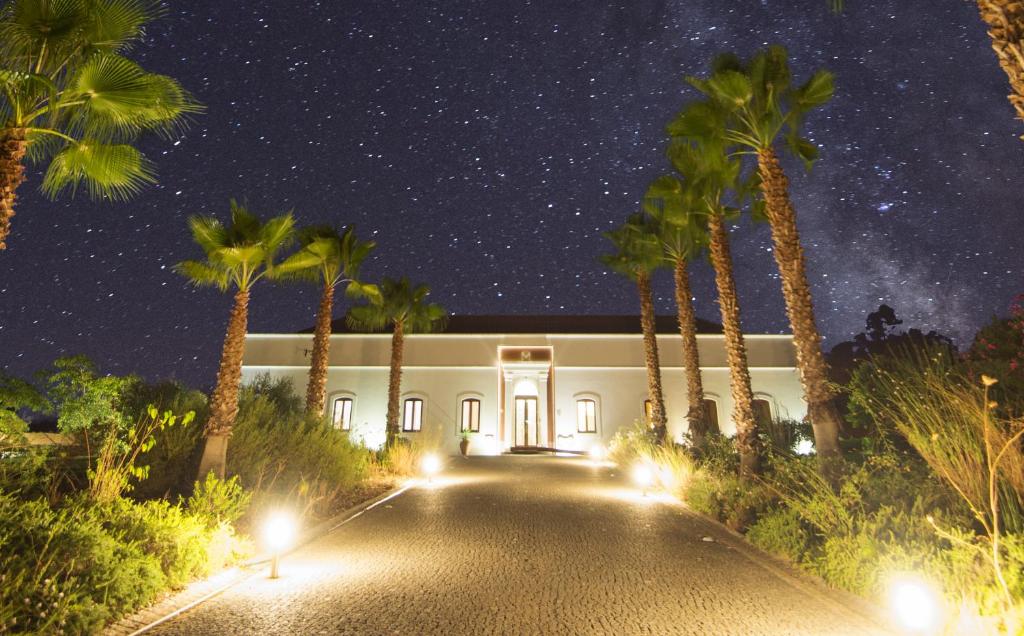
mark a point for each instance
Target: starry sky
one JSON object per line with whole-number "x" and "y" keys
{"x": 487, "y": 145}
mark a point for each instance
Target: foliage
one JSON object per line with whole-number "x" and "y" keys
{"x": 173, "y": 459}
{"x": 17, "y": 396}
{"x": 279, "y": 451}
{"x": 398, "y": 303}
{"x": 237, "y": 254}
{"x": 218, "y": 501}
{"x": 638, "y": 248}
{"x": 330, "y": 258}
{"x": 998, "y": 352}
{"x": 70, "y": 568}
{"x": 65, "y": 81}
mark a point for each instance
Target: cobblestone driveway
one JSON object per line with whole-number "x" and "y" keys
{"x": 525, "y": 545}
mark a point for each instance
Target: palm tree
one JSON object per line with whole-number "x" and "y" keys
{"x": 709, "y": 178}
{"x": 327, "y": 258}
{"x": 404, "y": 308}
{"x": 750, "y": 106}
{"x": 68, "y": 95}
{"x": 683, "y": 240}
{"x": 637, "y": 255}
{"x": 237, "y": 256}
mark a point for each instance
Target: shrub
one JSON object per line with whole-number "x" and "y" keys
{"x": 75, "y": 566}
{"x": 218, "y": 501}
{"x": 781, "y": 532}
{"x": 281, "y": 452}
{"x": 631, "y": 444}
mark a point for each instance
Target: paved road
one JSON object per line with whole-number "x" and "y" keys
{"x": 525, "y": 545}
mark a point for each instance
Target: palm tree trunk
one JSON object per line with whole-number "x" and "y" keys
{"x": 224, "y": 401}
{"x": 658, "y": 419}
{"x": 12, "y": 175}
{"x": 1005, "y": 20}
{"x": 395, "y": 383}
{"x": 316, "y": 389}
{"x": 789, "y": 256}
{"x": 691, "y": 358}
{"x": 736, "y": 350}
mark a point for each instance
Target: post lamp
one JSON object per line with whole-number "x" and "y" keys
{"x": 915, "y": 603}
{"x": 643, "y": 476}
{"x": 278, "y": 535}
{"x": 431, "y": 465}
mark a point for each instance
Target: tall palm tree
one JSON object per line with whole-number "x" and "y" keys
{"x": 711, "y": 177}
{"x": 402, "y": 307}
{"x": 329, "y": 259}
{"x": 237, "y": 256}
{"x": 751, "y": 105}
{"x": 683, "y": 240}
{"x": 637, "y": 255}
{"x": 68, "y": 95}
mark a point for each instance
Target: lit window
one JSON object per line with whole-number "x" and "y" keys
{"x": 648, "y": 410}
{"x": 711, "y": 414}
{"x": 341, "y": 415}
{"x": 471, "y": 415}
{"x": 586, "y": 416}
{"x": 412, "y": 417}
{"x": 762, "y": 411}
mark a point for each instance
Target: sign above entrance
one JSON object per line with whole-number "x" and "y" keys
{"x": 528, "y": 355}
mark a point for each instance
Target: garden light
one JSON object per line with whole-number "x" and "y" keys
{"x": 915, "y": 604}
{"x": 278, "y": 535}
{"x": 597, "y": 453}
{"x": 643, "y": 476}
{"x": 431, "y": 465}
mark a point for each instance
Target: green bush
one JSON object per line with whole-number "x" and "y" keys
{"x": 77, "y": 565}
{"x": 781, "y": 532}
{"x": 218, "y": 501}
{"x": 280, "y": 452}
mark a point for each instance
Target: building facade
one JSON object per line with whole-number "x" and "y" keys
{"x": 560, "y": 382}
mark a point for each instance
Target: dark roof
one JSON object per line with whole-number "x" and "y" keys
{"x": 552, "y": 324}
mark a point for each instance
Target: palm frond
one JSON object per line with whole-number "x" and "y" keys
{"x": 367, "y": 318}
{"x": 115, "y": 25}
{"x": 203, "y": 274}
{"x": 208, "y": 232}
{"x": 108, "y": 171}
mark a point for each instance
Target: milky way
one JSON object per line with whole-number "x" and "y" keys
{"x": 486, "y": 145}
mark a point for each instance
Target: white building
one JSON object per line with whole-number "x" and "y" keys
{"x": 561, "y": 382}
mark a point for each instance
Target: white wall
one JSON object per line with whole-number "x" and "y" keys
{"x": 442, "y": 369}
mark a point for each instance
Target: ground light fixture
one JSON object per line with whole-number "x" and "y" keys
{"x": 915, "y": 603}
{"x": 643, "y": 476}
{"x": 597, "y": 453}
{"x": 278, "y": 535}
{"x": 431, "y": 465}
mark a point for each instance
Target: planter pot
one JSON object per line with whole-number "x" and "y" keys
{"x": 464, "y": 446}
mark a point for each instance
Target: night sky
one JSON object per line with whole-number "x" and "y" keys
{"x": 486, "y": 145}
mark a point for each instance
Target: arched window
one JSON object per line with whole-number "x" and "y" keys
{"x": 341, "y": 413}
{"x": 471, "y": 415}
{"x": 711, "y": 413}
{"x": 762, "y": 411}
{"x": 586, "y": 415}
{"x": 412, "y": 415}
{"x": 648, "y": 411}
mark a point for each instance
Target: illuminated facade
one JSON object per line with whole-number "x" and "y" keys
{"x": 526, "y": 381}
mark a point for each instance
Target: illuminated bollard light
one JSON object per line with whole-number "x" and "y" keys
{"x": 278, "y": 536}
{"x": 915, "y": 604}
{"x": 597, "y": 453}
{"x": 431, "y": 465}
{"x": 643, "y": 476}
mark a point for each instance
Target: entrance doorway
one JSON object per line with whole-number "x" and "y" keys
{"x": 526, "y": 426}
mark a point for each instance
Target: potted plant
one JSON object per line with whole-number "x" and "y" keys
{"x": 464, "y": 443}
